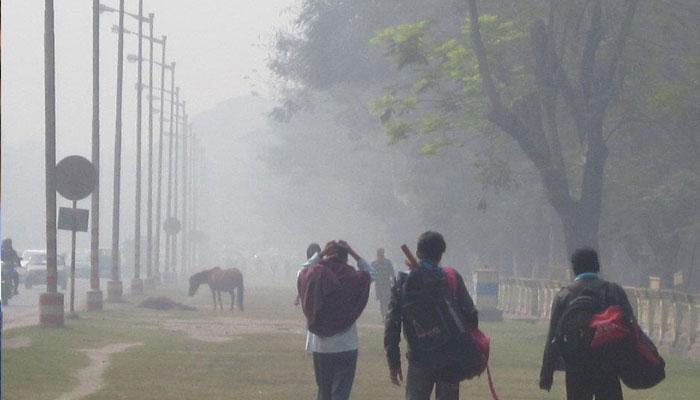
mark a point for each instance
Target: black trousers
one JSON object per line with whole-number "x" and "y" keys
{"x": 335, "y": 373}
{"x": 585, "y": 384}
{"x": 420, "y": 383}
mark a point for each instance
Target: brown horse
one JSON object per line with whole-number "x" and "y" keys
{"x": 220, "y": 280}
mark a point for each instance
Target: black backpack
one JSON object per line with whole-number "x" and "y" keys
{"x": 573, "y": 332}
{"x": 439, "y": 329}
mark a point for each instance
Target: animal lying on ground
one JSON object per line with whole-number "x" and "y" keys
{"x": 220, "y": 280}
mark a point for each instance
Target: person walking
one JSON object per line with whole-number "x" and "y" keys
{"x": 10, "y": 263}
{"x": 425, "y": 365}
{"x": 333, "y": 295}
{"x": 587, "y": 375}
{"x": 383, "y": 280}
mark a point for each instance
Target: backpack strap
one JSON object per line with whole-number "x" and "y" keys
{"x": 451, "y": 276}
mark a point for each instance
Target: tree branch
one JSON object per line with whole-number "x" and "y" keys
{"x": 588, "y": 57}
{"x": 487, "y": 82}
{"x": 616, "y": 56}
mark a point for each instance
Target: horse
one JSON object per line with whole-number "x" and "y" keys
{"x": 220, "y": 280}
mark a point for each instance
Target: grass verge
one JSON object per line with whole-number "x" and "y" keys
{"x": 258, "y": 365}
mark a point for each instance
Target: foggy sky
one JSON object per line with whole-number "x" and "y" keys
{"x": 220, "y": 48}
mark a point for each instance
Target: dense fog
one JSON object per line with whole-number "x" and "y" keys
{"x": 366, "y": 121}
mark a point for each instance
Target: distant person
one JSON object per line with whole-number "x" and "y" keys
{"x": 383, "y": 279}
{"x": 10, "y": 263}
{"x": 333, "y": 295}
{"x": 313, "y": 256}
{"x": 587, "y": 375}
{"x": 424, "y": 364}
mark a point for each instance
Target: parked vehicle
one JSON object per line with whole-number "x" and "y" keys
{"x": 35, "y": 266}
{"x": 83, "y": 265}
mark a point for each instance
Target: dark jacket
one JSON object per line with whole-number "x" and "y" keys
{"x": 608, "y": 294}
{"x": 10, "y": 259}
{"x": 394, "y": 318}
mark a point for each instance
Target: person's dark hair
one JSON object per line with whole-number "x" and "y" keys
{"x": 340, "y": 254}
{"x": 585, "y": 260}
{"x": 312, "y": 249}
{"x": 431, "y": 246}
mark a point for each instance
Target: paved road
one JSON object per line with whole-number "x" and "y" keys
{"x": 23, "y": 309}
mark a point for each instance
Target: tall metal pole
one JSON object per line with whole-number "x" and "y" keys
{"x": 149, "y": 224}
{"x": 114, "y": 286}
{"x": 72, "y": 265}
{"x": 193, "y": 200}
{"x": 137, "y": 282}
{"x": 159, "y": 208}
{"x": 191, "y": 189}
{"x": 94, "y": 296}
{"x": 51, "y": 302}
{"x": 185, "y": 177}
{"x": 175, "y": 181}
{"x": 169, "y": 202}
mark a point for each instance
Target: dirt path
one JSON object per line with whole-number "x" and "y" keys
{"x": 90, "y": 379}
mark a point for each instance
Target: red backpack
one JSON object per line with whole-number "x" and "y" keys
{"x": 634, "y": 355}
{"x": 481, "y": 342}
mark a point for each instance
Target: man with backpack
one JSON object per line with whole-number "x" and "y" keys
{"x": 421, "y": 300}
{"x": 588, "y": 372}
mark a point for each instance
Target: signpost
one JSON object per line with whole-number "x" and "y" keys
{"x": 75, "y": 180}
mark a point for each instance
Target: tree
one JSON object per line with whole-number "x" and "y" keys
{"x": 560, "y": 92}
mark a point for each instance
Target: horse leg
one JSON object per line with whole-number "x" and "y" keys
{"x": 213, "y": 294}
{"x": 221, "y": 303}
{"x": 232, "y": 298}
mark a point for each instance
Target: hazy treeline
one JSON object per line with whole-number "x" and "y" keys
{"x": 592, "y": 138}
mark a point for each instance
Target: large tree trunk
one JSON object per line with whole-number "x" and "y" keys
{"x": 532, "y": 120}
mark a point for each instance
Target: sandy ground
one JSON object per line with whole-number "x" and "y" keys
{"x": 90, "y": 378}
{"x": 222, "y": 329}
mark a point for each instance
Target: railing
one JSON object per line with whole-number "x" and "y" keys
{"x": 670, "y": 318}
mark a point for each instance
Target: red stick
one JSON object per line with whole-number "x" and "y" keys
{"x": 411, "y": 260}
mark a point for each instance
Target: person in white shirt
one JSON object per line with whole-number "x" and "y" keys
{"x": 335, "y": 356}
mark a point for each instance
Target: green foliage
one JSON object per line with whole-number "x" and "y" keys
{"x": 446, "y": 84}
{"x": 405, "y": 42}
{"x": 397, "y": 130}
{"x": 433, "y": 148}
{"x": 677, "y": 100}
{"x": 670, "y": 100}
{"x": 433, "y": 123}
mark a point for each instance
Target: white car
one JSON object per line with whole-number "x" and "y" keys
{"x": 34, "y": 263}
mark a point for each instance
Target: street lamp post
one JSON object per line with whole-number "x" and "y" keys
{"x": 114, "y": 286}
{"x": 185, "y": 177}
{"x": 173, "y": 248}
{"x": 195, "y": 194}
{"x": 94, "y": 296}
{"x": 51, "y": 302}
{"x": 155, "y": 276}
{"x": 156, "y": 273}
{"x": 137, "y": 282}
{"x": 168, "y": 211}
{"x": 149, "y": 229}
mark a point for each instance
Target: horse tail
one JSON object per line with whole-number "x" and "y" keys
{"x": 239, "y": 297}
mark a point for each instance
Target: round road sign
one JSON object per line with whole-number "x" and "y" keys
{"x": 75, "y": 177}
{"x": 172, "y": 226}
